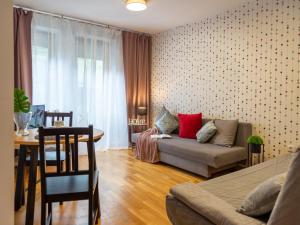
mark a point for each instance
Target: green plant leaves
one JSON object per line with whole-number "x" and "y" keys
{"x": 21, "y": 101}
{"x": 255, "y": 140}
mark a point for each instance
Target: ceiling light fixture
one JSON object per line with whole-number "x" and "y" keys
{"x": 136, "y": 5}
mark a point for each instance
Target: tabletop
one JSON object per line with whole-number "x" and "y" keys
{"x": 32, "y": 140}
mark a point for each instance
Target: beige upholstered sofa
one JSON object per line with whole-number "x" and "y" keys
{"x": 203, "y": 159}
{"x": 215, "y": 201}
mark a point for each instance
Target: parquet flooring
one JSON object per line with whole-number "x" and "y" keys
{"x": 131, "y": 192}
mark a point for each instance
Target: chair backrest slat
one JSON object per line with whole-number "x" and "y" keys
{"x": 55, "y": 116}
{"x": 58, "y": 164}
{"x": 67, "y": 151}
{"x": 75, "y": 149}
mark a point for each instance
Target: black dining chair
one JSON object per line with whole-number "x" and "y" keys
{"x": 40, "y": 118}
{"x": 69, "y": 184}
{"x": 54, "y": 116}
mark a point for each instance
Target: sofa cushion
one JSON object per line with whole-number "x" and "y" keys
{"x": 206, "y": 132}
{"x": 262, "y": 199}
{"x": 209, "y": 154}
{"x": 161, "y": 113}
{"x": 167, "y": 123}
{"x": 189, "y": 124}
{"x": 226, "y": 132}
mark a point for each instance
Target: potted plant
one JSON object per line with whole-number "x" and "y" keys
{"x": 255, "y": 143}
{"x": 22, "y": 115}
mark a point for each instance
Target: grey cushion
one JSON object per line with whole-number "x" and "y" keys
{"x": 167, "y": 123}
{"x": 160, "y": 114}
{"x": 209, "y": 154}
{"x": 243, "y": 132}
{"x": 206, "y": 132}
{"x": 226, "y": 132}
{"x": 286, "y": 209}
{"x": 262, "y": 199}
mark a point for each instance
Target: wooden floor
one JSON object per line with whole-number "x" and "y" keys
{"x": 131, "y": 193}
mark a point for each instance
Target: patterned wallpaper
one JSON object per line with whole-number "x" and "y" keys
{"x": 243, "y": 63}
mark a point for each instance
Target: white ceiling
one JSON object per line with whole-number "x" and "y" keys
{"x": 159, "y": 16}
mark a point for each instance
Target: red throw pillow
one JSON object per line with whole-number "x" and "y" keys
{"x": 189, "y": 124}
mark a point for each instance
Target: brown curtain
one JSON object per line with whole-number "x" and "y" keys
{"x": 22, "y": 51}
{"x": 137, "y": 68}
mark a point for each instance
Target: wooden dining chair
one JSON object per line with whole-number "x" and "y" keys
{"x": 54, "y": 116}
{"x": 69, "y": 184}
{"x": 50, "y": 151}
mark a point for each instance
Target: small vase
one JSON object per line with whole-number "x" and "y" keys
{"x": 21, "y": 120}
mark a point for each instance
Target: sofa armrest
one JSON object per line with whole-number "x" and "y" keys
{"x": 134, "y": 137}
{"x": 211, "y": 207}
{"x": 181, "y": 214}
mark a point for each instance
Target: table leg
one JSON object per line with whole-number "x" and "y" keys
{"x": 31, "y": 186}
{"x": 19, "y": 194}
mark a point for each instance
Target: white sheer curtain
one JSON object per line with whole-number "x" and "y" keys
{"x": 79, "y": 67}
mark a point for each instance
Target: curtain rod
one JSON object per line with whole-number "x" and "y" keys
{"x": 79, "y": 20}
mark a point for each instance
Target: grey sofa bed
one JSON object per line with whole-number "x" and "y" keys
{"x": 203, "y": 159}
{"x": 215, "y": 201}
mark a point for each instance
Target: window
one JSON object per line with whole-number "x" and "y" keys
{"x": 89, "y": 60}
{"x": 79, "y": 68}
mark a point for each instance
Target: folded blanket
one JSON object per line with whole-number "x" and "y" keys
{"x": 146, "y": 147}
{"x": 209, "y": 206}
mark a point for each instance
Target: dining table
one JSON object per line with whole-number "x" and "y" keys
{"x": 29, "y": 145}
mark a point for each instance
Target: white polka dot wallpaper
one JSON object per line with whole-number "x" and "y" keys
{"x": 242, "y": 64}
